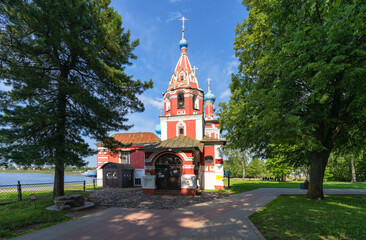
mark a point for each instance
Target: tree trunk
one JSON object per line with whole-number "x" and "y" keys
{"x": 58, "y": 186}
{"x": 353, "y": 169}
{"x": 243, "y": 164}
{"x": 318, "y": 162}
{"x": 60, "y": 145}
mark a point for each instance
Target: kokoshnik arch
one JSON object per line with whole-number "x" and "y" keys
{"x": 188, "y": 154}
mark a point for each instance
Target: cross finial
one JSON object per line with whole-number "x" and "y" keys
{"x": 209, "y": 80}
{"x": 194, "y": 70}
{"x": 161, "y": 112}
{"x": 183, "y": 19}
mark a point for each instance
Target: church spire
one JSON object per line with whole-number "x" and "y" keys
{"x": 183, "y": 76}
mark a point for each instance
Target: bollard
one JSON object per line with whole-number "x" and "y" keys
{"x": 228, "y": 181}
{"x": 19, "y": 191}
{"x": 94, "y": 183}
{"x": 84, "y": 186}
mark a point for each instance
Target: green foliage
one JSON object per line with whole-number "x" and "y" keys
{"x": 300, "y": 87}
{"x": 294, "y": 217}
{"x": 278, "y": 167}
{"x": 236, "y": 161}
{"x": 340, "y": 166}
{"x": 327, "y": 174}
{"x": 256, "y": 168}
{"x": 64, "y": 61}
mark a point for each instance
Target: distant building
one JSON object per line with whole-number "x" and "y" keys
{"x": 188, "y": 155}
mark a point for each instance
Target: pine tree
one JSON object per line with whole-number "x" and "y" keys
{"x": 64, "y": 61}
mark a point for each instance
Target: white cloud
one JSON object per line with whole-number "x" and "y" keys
{"x": 155, "y": 102}
{"x": 175, "y": 1}
{"x": 141, "y": 124}
{"x": 225, "y": 93}
{"x": 232, "y": 67}
{"x": 174, "y": 16}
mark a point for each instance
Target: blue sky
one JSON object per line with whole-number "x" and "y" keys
{"x": 209, "y": 32}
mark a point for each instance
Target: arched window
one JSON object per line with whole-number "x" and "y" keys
{"x": 180, "y": 100}
{"x": 168, "y": 103}
{"x": 195, "y": 102}
{"x": 168, "y": 159}
{"x": 208, "y": 160}
{"x": 181, "y": 128}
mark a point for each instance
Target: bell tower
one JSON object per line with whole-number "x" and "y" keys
{"x": 209, "y": 101}
{"x": 183, "y": 100}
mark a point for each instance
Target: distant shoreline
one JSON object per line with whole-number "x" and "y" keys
{"x": 39, "y": 172}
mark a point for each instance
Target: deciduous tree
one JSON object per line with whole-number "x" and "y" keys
{"x": 301, "y": 82}
{"x": 237, "y": 162}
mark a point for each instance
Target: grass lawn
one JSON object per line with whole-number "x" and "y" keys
{"x": 239, "y": 186}
{"x": 22, "y": 217}
{"x": 296, "y": 217}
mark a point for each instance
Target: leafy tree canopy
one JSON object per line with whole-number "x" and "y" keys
{"x": 300, "y": 89}
{"x": 236, "y": 162}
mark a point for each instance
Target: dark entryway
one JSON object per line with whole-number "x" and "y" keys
{"x": 168, "y": 168}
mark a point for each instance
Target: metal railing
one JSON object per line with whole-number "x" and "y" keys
{"x": 19, "y": 192}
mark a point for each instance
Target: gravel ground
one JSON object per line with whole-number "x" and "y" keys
{"x": 134, "y": 198}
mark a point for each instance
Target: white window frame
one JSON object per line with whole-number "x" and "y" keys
{"x": 128, "y": 156}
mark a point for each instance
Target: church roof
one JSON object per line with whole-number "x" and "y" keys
{"x": 135, "y": 138}
{"x": 140, "y": 137}
{"x": 211, "y": 139}
{"x": 177, "y": 142}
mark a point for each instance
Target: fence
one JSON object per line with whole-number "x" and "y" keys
{"x": 19, "y": 192}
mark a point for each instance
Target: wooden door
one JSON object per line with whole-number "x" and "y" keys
{"x": 168, "y": 169}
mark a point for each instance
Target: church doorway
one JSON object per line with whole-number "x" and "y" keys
{"x": 168, "y": 168}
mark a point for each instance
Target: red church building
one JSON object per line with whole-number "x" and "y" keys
{"x": 188, "y": 155}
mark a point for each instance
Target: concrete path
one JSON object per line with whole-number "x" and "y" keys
{"x": 225, "y": 218}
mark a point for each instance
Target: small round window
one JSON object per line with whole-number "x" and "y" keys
{"x": 208, "y": 160}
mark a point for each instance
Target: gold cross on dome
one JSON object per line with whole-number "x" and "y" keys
{"x": 209, "y": 80}
{"x": 183, "y": 19}
{"x": 194, "y": 70}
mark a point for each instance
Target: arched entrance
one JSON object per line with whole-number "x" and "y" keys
{"x": 168, "y": 168}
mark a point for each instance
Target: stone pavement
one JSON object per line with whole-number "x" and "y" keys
{"x": 225, "y": 218}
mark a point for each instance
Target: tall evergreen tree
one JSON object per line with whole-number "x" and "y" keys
{"x": 301, "y": 82}
{"x": 64, "y": 61}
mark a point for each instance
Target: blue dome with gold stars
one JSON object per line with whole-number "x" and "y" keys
{"x": 209, "y": 96}
{"x": 183, "y": 43}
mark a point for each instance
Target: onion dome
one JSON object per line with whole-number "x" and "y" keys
{"x": 158, "y": 129}
{"x": 183, "y": 43}
{"x": 209, "y": 97}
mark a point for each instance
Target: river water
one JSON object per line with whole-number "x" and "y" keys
{"x": 32, "y": 178}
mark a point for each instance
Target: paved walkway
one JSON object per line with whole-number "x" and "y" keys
{"x": 225, "y": 218}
